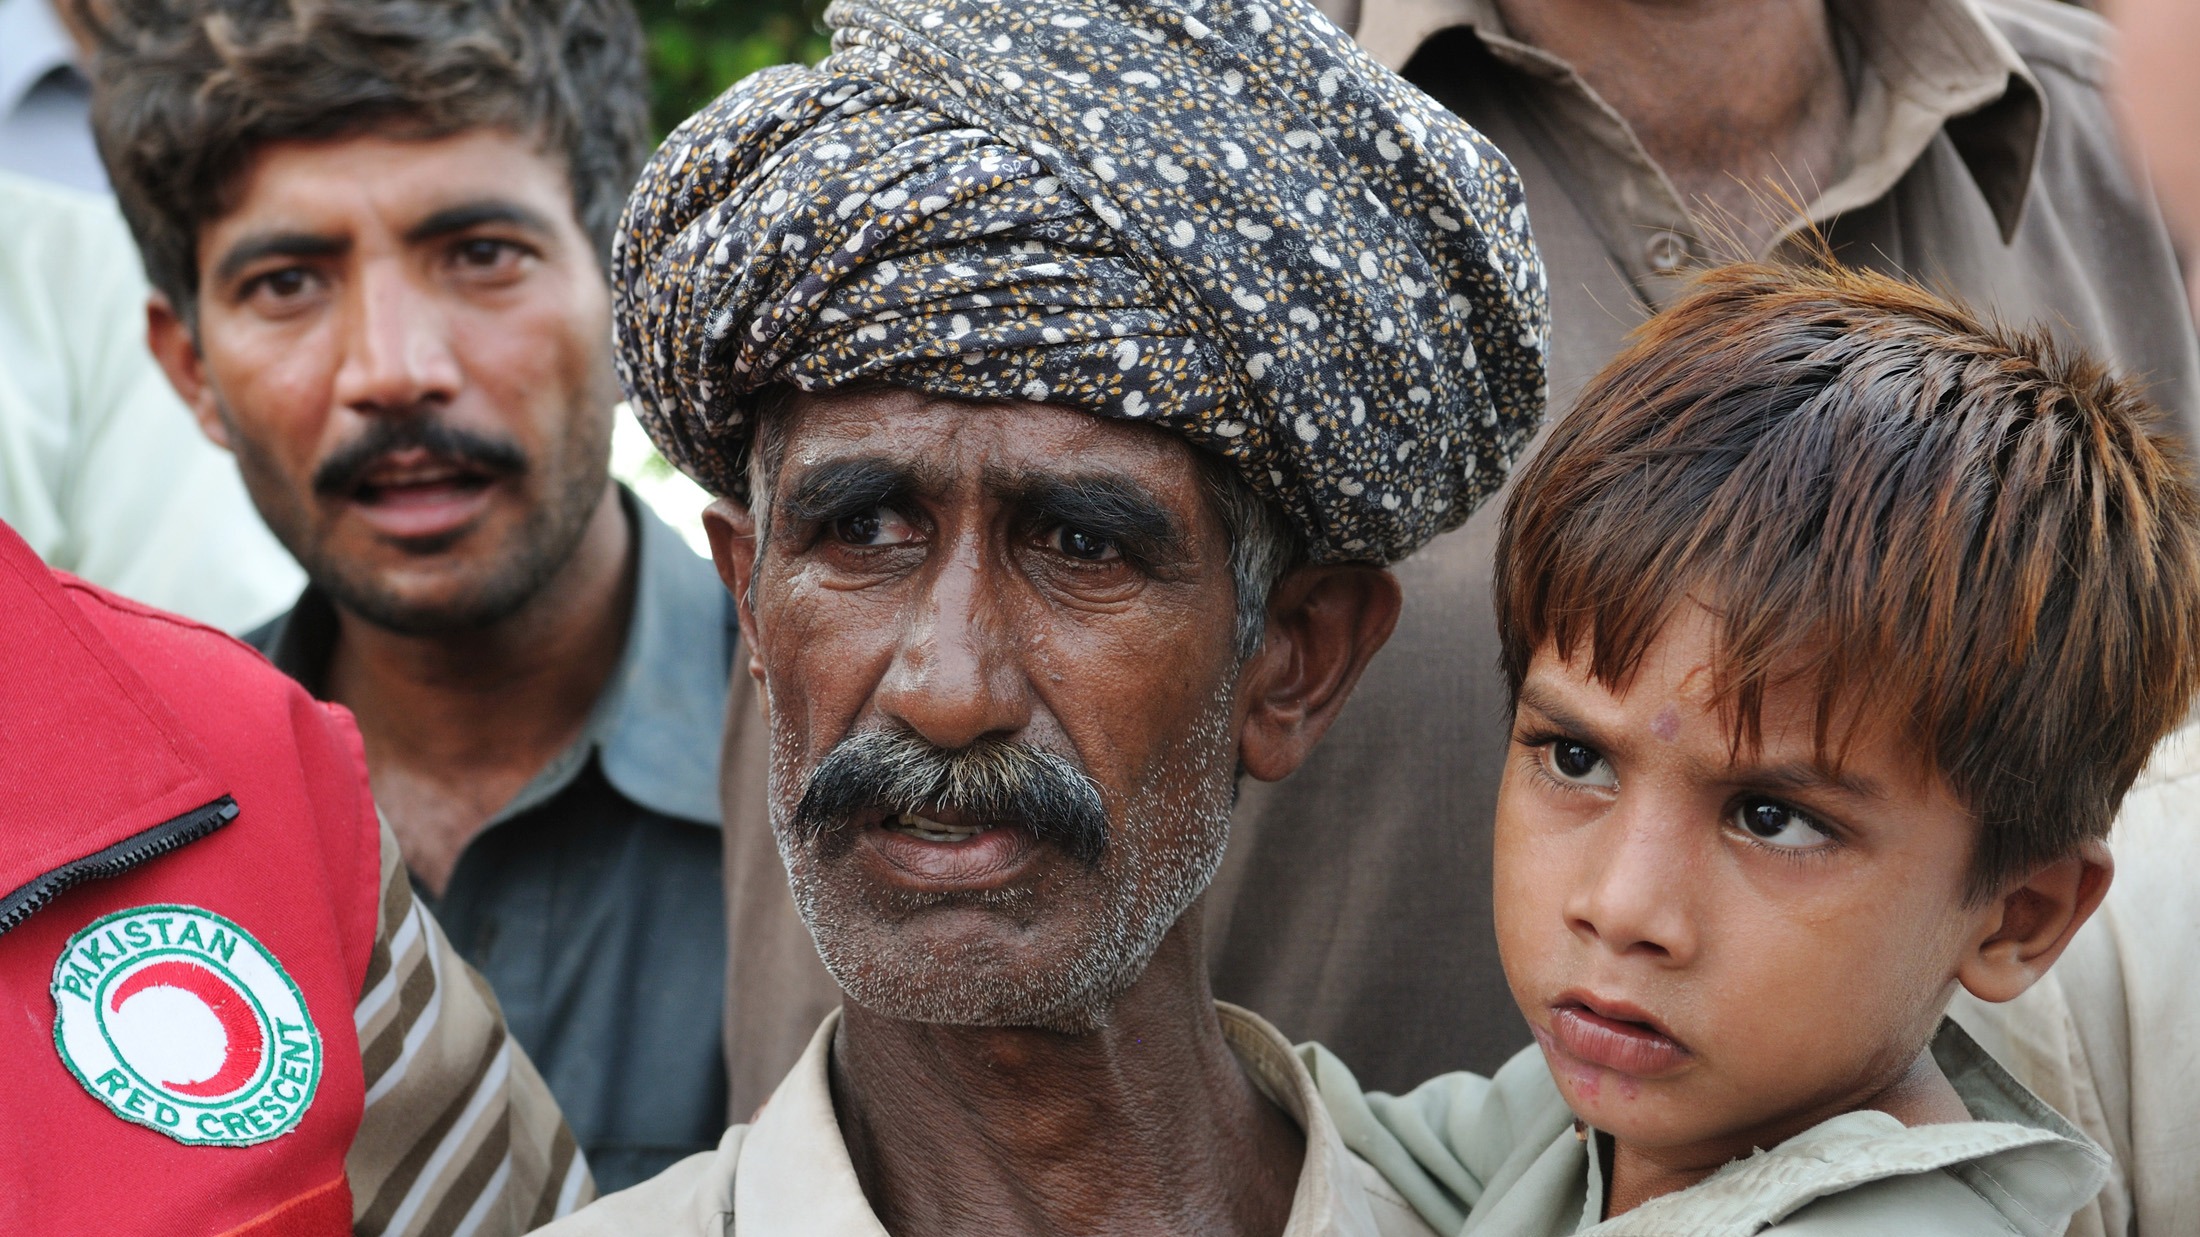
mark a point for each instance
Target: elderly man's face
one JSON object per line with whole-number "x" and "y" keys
{"x": 996, "y": 645}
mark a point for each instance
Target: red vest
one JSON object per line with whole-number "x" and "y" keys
{"x": 189, "y": 871}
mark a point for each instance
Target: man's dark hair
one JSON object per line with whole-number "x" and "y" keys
{"x": 1965, "y": 531}
{"x": 188, "y": 90}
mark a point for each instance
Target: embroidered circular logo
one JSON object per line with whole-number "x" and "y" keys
{"x": 179, "y": 1021}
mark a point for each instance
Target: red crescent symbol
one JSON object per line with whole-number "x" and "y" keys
{"x": 240, "y": 1026}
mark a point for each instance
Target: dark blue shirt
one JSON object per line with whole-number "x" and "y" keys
{"x": 591, "y": 902}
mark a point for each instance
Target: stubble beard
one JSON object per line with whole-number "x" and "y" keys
{"x": 1188, "y": 797}
{"x": 539, "y": 549}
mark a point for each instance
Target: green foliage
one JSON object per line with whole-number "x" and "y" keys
{"x": 697, "y": 48}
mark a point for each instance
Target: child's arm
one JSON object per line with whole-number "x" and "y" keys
{"x": 1447, "y": 1141}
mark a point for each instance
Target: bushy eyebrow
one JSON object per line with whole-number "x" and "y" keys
{"x": 257, "y": 245}
{"x": 465, "y": 216}
{"x": 1113, "y": 508}
{"x": 449, "y": 221}
{"x": 1107, "y": 506}
{"x": 838, "y": 489}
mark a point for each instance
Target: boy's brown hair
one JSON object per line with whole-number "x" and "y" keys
{"x": 1969, "y": 531}
{"x": 187, "y": 91}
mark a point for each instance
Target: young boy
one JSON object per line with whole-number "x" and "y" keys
{"x": 1837, "y": 624}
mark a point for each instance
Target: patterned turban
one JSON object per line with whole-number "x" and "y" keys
{"x": 1217, "y": 216}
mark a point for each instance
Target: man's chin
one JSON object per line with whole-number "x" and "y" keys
{"x": 967, "y": 1000}
{"x": 422, "y": 591}
{"x": 971, "y": 961}
{"x": 439, "y": 607}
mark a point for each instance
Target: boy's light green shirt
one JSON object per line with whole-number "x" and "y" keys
{"x": 1499, "y": 1155}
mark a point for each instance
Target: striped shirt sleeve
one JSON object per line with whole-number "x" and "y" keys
{"x": 460, "y": 1137}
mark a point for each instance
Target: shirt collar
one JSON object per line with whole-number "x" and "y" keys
{"x": 790, "y": 1176}
{"x": 33, "y": 44}
{"x": 1928, "y": 66}
{"x": 666, "y": 703}
{"x": 2017, "y": 1153}
{"x": 656, "y": 726}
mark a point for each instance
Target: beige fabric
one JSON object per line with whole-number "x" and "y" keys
{"x": 2111, "y": 1037}
{"x": 1352, "y": 907}
{"x": 460, "y": 1135}
{"x": 788, "y": 1174}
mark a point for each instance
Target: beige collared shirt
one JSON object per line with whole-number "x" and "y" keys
{"x": 2111, "y": 1037}
{"x": 787, "y": 1174}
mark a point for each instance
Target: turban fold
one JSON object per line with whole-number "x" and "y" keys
{"x": 1218, "y": 216}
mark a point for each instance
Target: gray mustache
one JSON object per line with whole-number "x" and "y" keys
{"x": 990, "y": 780}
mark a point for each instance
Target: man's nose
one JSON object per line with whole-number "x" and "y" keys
{"x": 957, "y": 675}
{"x": 1630, "y": 899}
{"x": 398, "y": 353}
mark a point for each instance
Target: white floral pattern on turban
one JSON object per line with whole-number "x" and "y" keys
{"x": 1217, "y": 216}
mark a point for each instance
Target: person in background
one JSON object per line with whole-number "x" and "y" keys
{"x": 101, "y": 469}
{"x": 2157, "y": 46}
{"x": 45, "y": 97}
{"x": 223, "y": 1010}
{"x": 381, "y": 284}
{"x": 1966, "y": 144}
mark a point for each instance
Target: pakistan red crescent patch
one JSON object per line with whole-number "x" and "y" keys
{"x": 177, "y": 1019}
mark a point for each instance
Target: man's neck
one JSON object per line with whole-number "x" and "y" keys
{"x": 1742, "y": 103}
{"x": 455, "y": 724}
{"x": 1148, "y": 1125}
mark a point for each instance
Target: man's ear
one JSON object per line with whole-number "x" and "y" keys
{"x": 731, "y": 527}
{"x": 174, "y": 345}
{"x": 1324, "y": 625}
{"x": 2029, "y": 925}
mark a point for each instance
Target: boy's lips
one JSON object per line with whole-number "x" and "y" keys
{"x": 1615, "y": 1036}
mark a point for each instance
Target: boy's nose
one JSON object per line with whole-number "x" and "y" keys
{"x": 1630, "y": 899}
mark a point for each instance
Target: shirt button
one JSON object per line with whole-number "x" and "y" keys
{"x": 1666, "y": 251}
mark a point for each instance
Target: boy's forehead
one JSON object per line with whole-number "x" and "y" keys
{"x": 1677, "y": 693}
{"x": 1678, "y": 670}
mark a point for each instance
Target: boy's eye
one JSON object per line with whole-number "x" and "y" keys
{"x": 1078, "y": 544}
{"x": 875, "y": 527}
{"x": 1777, "y": 825}
{"x": 1579, "y": 763}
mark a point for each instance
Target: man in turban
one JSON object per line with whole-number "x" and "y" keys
{"x": 1068, "y": 372}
